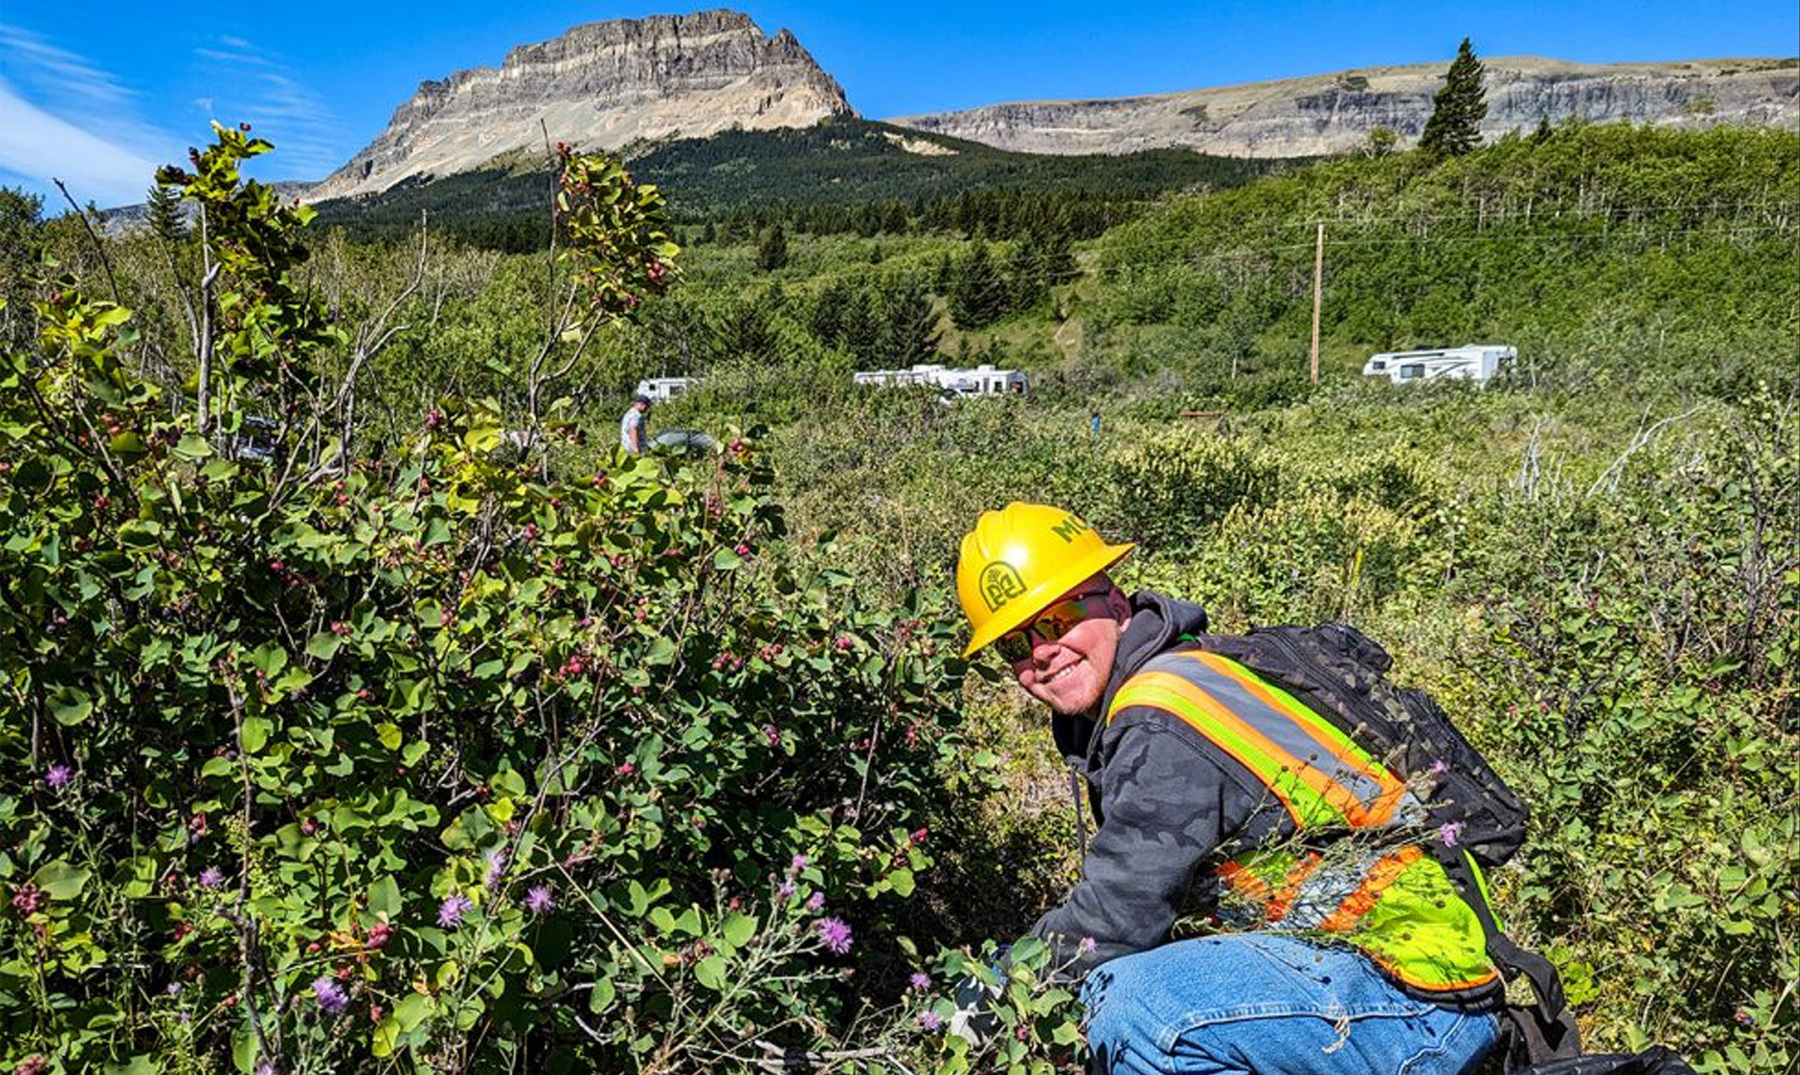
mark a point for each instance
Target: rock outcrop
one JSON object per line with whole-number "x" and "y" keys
{"x": 1334, "y": 113}
{"x": 601, "y": 86}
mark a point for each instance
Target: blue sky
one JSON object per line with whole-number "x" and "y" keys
{"x": 99, "y": 92}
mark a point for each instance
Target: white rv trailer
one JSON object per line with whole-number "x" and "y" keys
{"x": 664, "y": 389}
{"x": 983, "y": 380}
{"x": 1478, "y": 362}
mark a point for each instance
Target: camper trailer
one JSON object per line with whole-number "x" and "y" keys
{"x": 664, "y": 389}
{"x": 1478, "y": 362}
{"x": 983, "y": 380}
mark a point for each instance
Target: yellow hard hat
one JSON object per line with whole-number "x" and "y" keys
{"x": 1021, "y": 558}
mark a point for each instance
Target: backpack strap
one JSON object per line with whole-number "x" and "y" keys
{"x": 1532, "y": 1034}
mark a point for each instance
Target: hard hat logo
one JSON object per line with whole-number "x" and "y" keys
{"x": 1069, "y": 528}
{"x": 1000, "y": 583}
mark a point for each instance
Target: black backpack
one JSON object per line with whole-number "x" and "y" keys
{"x": 1340, "y": 673}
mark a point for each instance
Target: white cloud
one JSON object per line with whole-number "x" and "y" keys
{"x": 257, "y": 87}
{"x": 57, "y": 76}
{"x": 63, "y": 116}
{"x": 39, "y": 147}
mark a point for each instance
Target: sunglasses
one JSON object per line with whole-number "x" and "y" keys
{"x": 1056, "y": 621}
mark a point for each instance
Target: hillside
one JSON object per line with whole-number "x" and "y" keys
{"x": 837, "y": 162}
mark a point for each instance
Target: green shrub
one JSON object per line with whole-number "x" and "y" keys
{"x": 435, "y": 757}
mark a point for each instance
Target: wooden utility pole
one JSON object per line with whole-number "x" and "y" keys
{"x": 1318, "y": 293}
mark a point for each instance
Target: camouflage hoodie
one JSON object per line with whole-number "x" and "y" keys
{"x": 1165, "y": 800}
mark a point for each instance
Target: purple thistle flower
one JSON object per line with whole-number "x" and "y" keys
{"x": 540, "y": 899}
{"x": 920, "y": 980}
{"x": 816, "y": 901}
{"x": 265, "y": 1068}
{"x": 450, "y": 912}
{"x": 836, "y": 933}
{"x": 331, "y": 996}
{"x": 58, "y": 775}
{"x": 1088, "y": 944}
{"x": 496, "y": 867}
{"x": 931, "y": 1020}
{"x": 1450, "y": 832}
{"x": 1439, "y": 768}
{"x": 211, "y": 877}
{"x": 785, "y": 890}
{"x": 798, "y": 864}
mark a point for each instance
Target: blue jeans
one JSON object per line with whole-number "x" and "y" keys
{"x": 1268, "y": 1004}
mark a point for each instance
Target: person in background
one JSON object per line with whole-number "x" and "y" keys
{"x": 633, "y": 434}
{"x": 1096, "y": 426}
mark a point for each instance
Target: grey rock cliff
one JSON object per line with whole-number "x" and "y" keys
{"x": 1334, "y": 113}
{"x": 599, "y": 86}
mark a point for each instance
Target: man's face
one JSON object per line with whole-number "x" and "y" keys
{"x": 1070, "y": 673}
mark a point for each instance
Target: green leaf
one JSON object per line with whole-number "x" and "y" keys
{"x": 710, "y": 972}
{"x": 193, "y": 446}
{"x": 662, "y": 651}
{"x": 389, "y": 735}
{"x": 59, "y": 880}
{"x": 412, "y": 1010}
{"x": 256, "y": 733}
{"x": 384, "y": 898}
{"x": 70, "y": 705}
{"x": 726, "y": 560}
{"x": 737, "y": 929}
{"x": 902, "y": 882}
{"x": 269, "y": 658}
{"x": 323, "y": 645}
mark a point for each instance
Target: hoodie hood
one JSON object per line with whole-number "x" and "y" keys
{"x": 1156, "y": 623}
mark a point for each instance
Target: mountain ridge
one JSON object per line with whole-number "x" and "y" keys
{"x": 1334, "y": 112}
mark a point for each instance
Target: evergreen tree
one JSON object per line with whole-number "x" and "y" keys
{"x": 772, "y": 254}
{"x": 942, "y": 275}
{"x": 745, "y": 330}
{"x": 862, "y": 328}
{"x": 830, "y": 311}
{"x": 1458, "y": 109}
{"x": 977, "y": 291}
{"x": 1024, "y": 273}
{"x": 162, "y": 206}
{"x": 909, "y": 324}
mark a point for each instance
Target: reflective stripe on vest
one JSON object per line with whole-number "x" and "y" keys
{"x": 1321, "y": 776}
{"x": 1394, "y": 902}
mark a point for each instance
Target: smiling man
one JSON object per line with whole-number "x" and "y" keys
{"x": 1200, "y": 773}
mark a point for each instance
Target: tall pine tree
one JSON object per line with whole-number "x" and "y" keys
{"x": 163, "y": 208}
{"x": 772, "y": 254}
{"x": 977, "y": 291}
{"x": 909, "y": 325}
{"x": 1458, "y": 109}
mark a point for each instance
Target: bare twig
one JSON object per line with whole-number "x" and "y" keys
{"x": 88, "y": 225}
{"x": 1611, "y": 475}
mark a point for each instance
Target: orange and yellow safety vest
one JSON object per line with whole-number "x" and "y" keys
{"x": 1378, "y": 887}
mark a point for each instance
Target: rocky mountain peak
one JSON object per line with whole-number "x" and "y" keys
{"x": 600, "y": 85}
